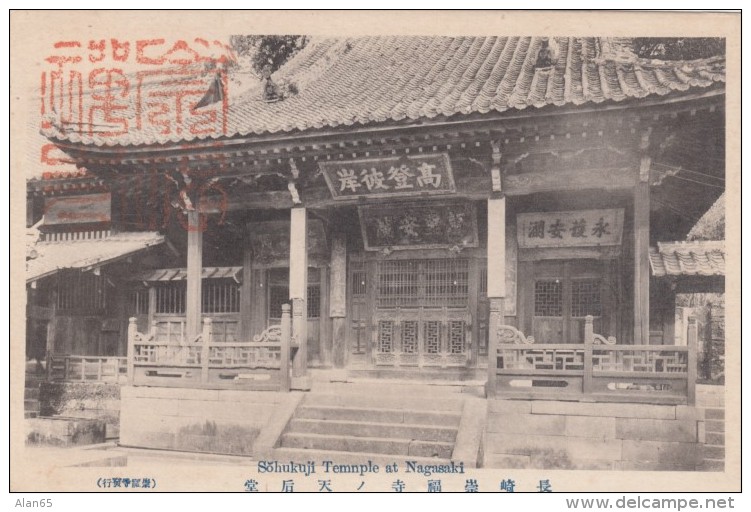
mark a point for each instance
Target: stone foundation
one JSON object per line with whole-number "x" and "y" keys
{"x": 197, "y": 420}
{"x": 578, "y": 435}
{"x": 60, "y": 431}
{"x": 83, "y": 400}
{"x": 712, "y": 430}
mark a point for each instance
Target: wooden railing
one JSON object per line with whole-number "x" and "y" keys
{"x": 599, "y": 369}
{"x": 260, "y": 364}
{"x": 172, "y": 328}
{"x": 73, "y": 368}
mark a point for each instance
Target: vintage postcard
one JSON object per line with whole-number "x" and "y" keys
{"x": 375, "y": 251}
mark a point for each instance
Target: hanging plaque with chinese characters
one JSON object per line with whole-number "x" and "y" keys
{"x": 389, "y": 176}
{"x": 419, "y": 226}
{"x": 570, "y": 229}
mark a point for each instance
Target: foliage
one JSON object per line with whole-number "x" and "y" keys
{"x": 267, "y": 53}
{"x": 65, "y": 398}
{"x": 678, "y": 48}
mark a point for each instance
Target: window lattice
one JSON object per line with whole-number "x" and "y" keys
{"x": 397, "y": 282}
{"x": 138, "y": 302}
{"x": 436, "y": 282}
{"x": 385, "y": 336}
{"x": 314, "y": 301}
{"x": 279, "y": 292}
{"x": 170, "y": 298}
{"x": 457, "y": 336}
{"x": 483, "y": 280}
{"x": 586, "y": 298}
{"x": 278, "y": 295}
{"x": 81, "y": 291}
{"x": 409, "y": 336}
{"x": 446, "y": 282}
{"x": 220, "y": 296}
{"x": 549, "y": 298}
{"x": 359, "y": 283}
{"x": 433, "y": 337}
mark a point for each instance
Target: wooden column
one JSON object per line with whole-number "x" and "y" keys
{"x": 338, "y": 298}
{"x": 246, "y": 290}
{"x": 641, "y": 255}
{"x": 152, "y": 306}
{"x": 284, "y": 354}
{"x": 298, "y": 286}
{"x": 589, "y": 340}
{"x": 205, "y": 349}
{"x": 496, "y": 280}
{"x": 132, "y": 331}
{"x": 194, "y": 269}
{"x": 325, "y": 342}
{"x": 52, "y": 324}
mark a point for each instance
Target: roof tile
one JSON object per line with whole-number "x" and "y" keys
{"x": 697, "y": 258}
{"x": 365, "y": 80}
{"x": 71, "y": 254}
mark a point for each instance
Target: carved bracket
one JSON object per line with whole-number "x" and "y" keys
{"x": 599, "y": 339}
{"x": 495, "y": 170}
{"x": 273, "y": 333}
{"x": 292, "y": 184}
{"x": 510, "y": 334}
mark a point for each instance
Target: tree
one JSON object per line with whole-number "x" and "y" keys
{"x": 267, "y": 53}
{"x": 678, "y": 48}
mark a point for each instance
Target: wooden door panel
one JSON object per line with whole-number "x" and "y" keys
{"x": 548, "y": 330}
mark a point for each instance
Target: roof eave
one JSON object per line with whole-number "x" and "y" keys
{"x": 312, "y": 136}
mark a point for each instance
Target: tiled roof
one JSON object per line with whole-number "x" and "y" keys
{"x": 699, "y": 258}
{"x": 180, "y": 274}
{"x": 364, "y": 80}
{"x": 53, "y": 256}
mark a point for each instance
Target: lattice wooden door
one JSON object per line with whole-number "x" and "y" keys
{"x": 422, "y": 316}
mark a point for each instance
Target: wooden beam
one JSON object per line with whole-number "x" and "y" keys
{"x": 467, "y": 188}
{"x": 544, "y": 181}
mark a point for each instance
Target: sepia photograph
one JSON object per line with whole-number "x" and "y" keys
{"x": 375, "y": 252}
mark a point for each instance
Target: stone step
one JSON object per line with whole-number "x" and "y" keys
{"x": 385, "y": 399}
{"x": 400, "y": 387}
{"x": 31, "y": 405}
{"x": 298, "y": 455}
{"x": 438, "y": 375}
{"x": 340, "y": 413}
{"x": 403, "y": 447}
{"x": 30, "y": 414}
{"x": 373, "y": 430}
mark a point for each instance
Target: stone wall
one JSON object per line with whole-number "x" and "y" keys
{"x": 711, "y": 399}
{"x": 715, "y": 340}
{"x": 84, "y": 400}
{"x": 61, "y": 431}
{"x": 199, "y": 420}
{"x": 578, "y": 435}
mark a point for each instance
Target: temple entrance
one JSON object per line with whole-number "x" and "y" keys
{"x": 563, "y": 294}
{"x": 278, "y": 294}
{"x": 421, "y": 314}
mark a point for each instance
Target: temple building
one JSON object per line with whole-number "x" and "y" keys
{"x": 459, "y": 209}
